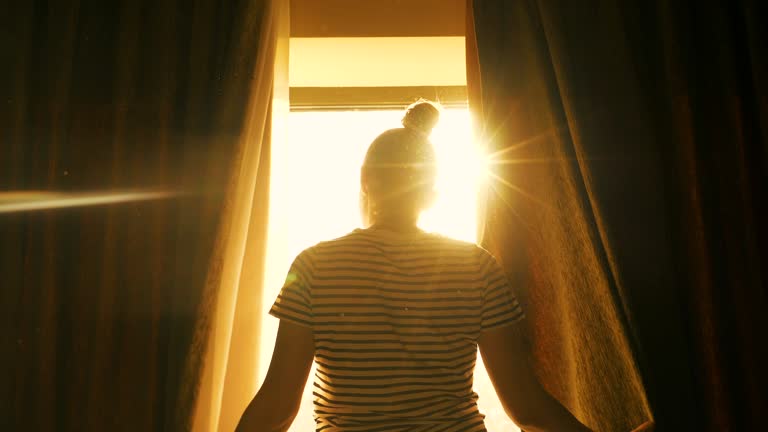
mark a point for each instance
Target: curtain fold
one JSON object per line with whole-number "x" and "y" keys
{"x": 628, "y": 201}
{"x": 160, "y": 108}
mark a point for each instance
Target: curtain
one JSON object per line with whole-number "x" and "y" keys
{"x": 627, "y": 201}
{"x": 111, "y": 312}
{"x": 539, "y": 223}
{"x": 230, "y": 375}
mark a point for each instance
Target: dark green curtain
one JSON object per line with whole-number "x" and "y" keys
{"x": 630, "y": 176}
{"x": 100, "y": 303}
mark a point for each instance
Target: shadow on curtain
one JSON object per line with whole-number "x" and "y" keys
{"x": 107, "y": 309}
{"x": 628, "y": 144}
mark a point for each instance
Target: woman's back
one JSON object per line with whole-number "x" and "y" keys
{"x": 396, "y": 318}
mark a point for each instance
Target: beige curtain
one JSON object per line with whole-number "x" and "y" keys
{"x": 231, "y": 338}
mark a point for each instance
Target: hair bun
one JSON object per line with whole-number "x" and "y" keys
{"x": 421, "y": 116}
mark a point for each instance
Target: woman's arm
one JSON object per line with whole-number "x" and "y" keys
{"x": 275, "y": 405}
{"x": 533, "y": 409}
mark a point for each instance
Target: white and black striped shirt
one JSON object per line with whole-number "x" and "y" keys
{"x": 396, "y": 318}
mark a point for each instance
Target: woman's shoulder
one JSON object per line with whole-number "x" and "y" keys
{"x": 361, "y": 239}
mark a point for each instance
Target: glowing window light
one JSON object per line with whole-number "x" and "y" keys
{"x": 315, "y": 192}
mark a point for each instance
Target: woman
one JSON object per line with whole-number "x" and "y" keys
{"x": 393, "y": 316}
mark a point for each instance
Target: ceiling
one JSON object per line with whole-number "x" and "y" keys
{"x": 377, "y": 18}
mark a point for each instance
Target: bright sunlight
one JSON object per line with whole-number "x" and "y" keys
{"x": 315, "y": 193}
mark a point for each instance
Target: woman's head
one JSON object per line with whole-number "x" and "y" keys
{"x": 398, "y": 174}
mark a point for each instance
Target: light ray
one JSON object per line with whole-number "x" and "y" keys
{"x": 517, "y": 146}
{"x": 517, "y": 189}
{"x": 523, "y": 161}
{"x": 527, "y": 161}
{"x": 18, "y": 201}
{"x": 506, "y": 202}
{"x": 521, "y": 144}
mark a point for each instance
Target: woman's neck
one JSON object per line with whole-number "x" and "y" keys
{"x": 397, "y": 222}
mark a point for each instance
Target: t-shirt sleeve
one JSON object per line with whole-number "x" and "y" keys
{"x": 500, "y": 306}
{"x": 294, "y": 303}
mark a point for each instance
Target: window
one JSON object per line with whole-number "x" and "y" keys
{"x": 315, "y": 192}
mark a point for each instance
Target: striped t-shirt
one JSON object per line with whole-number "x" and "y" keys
{"x": 396, "y": 318}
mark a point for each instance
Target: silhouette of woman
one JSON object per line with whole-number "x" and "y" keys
{"x": 393, "y": 316}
